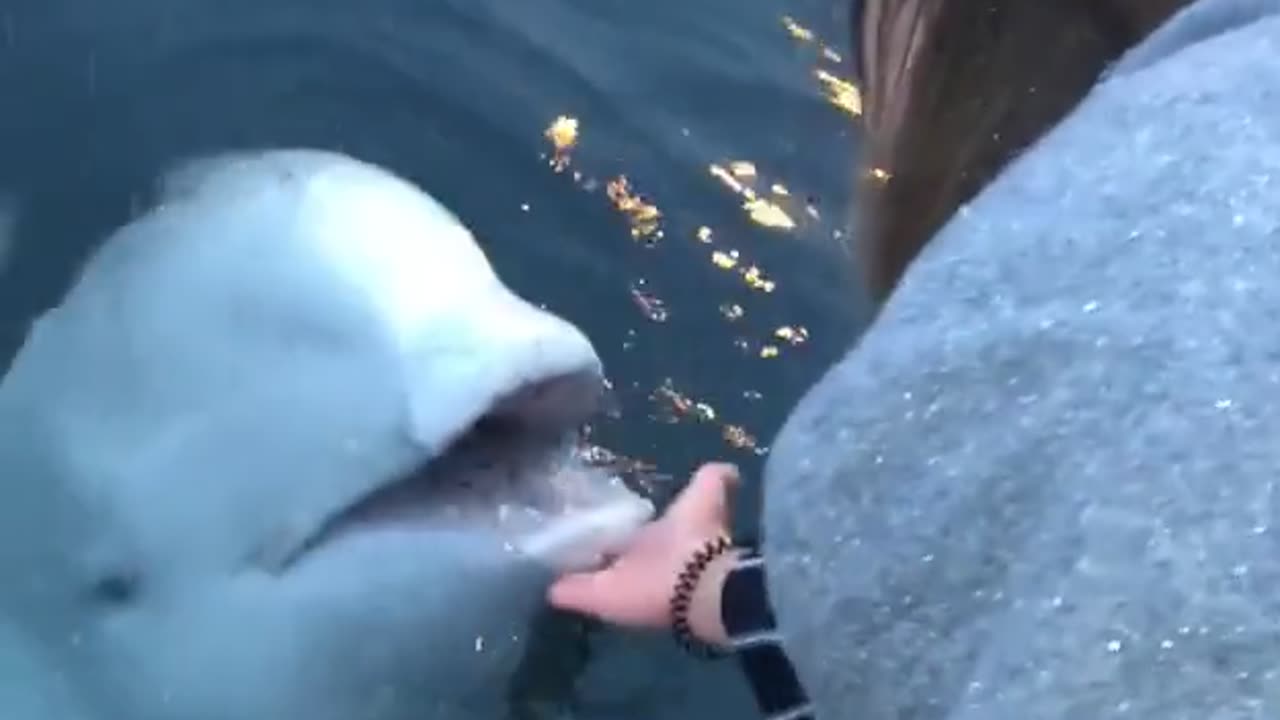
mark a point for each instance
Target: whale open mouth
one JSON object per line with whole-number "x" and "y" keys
{"x": 515, "y": 472}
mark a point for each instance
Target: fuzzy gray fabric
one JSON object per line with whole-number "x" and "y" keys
{"x": 1044, "y": 485}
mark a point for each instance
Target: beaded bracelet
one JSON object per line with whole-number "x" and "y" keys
{"x": 682, "y": 597}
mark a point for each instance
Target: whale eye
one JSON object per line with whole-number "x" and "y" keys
{"x": 116, "y": 588}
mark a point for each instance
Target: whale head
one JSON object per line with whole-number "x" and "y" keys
{"x": 290, "y": 448}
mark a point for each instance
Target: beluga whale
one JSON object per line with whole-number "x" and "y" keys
{"x": 290, "y": 448}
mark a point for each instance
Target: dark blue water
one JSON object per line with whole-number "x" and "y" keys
{"x": 99, "y": 96}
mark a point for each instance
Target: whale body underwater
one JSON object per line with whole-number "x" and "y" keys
{"x": 290, "y": 448}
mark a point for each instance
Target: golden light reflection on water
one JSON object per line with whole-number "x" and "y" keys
{"x": 563, "y": 134}
{"x": 769, "y": 203}
{"x": 674, "y": 406}
{"x": 797, "y": 31}
{"x": 642, "y": 215}
{"x": 728, "y": 260}
{"x": 771, "y": 207}
{"x": 839, "y": 91}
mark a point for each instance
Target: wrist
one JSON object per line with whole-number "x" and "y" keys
{"x": 704, "y": 614}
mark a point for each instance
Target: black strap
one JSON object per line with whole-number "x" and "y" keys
{"x": 752, "y": 629}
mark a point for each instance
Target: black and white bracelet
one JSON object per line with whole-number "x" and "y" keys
{"x": 682, "y": 598}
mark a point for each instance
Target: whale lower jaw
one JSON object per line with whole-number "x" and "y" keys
{"x": 516, "y": 474}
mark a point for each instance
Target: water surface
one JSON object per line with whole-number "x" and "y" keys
{"x": 712, "y": 317}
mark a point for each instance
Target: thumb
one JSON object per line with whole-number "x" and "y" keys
{"x": 582, "y": 593}
{"x": 706, "y": 498}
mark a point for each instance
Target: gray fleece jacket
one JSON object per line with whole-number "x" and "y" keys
{"x": 1046, "y": 483}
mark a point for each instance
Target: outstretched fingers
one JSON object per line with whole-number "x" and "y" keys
{"x": 706, "y": 499}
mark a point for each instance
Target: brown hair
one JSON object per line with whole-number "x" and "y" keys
{"x": 954, "y": 89}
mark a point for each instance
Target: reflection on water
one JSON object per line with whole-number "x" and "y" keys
{"x": 840, "y": 91}
{"x": 673, "y": 177}
{"x": 644, "y": 219}
{"x": 778, "y": 214}
{"x": 768, "y": 203}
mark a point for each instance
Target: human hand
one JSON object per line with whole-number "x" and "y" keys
{"x": 635, "y": 589}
